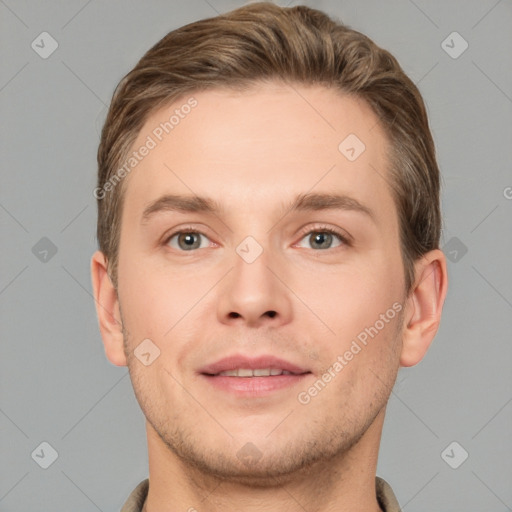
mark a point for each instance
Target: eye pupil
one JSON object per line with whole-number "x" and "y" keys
{"x": 322, "y": 238}
{"x": 188, "y": 240}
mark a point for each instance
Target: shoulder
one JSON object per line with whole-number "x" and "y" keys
{"x": 136, "y": 500}
{"x": 385, "y": 496}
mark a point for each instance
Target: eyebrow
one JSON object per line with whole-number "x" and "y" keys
{"x": 302, "y": 202}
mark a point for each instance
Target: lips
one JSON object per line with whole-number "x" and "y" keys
{"x": 257, "y": 378}
{"x": 243, "y": 366}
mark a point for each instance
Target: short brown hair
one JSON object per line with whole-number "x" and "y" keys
{"x": 261, "y": 42}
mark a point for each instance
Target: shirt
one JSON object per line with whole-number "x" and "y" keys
{"x": 385, "y": 497}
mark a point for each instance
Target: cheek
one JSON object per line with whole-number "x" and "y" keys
{"x": 355, "y": 298}
{"x": 362, "y": 309}
{"x": 166, "y": 308}
{"x": 144, "y": 304}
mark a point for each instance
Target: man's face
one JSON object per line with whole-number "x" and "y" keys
{"x": 291, "y": 290}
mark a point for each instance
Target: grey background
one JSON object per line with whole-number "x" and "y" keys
{"x": 55, "y": 382}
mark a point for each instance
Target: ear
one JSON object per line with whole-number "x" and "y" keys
{"x": 424, "y": 307}
{"x": 107, "y": 309}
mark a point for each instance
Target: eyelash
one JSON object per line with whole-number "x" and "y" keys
{"x": 317, "y": 229}
{"x": 325, "y": 229}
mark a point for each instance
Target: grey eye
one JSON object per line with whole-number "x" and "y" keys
{"x": 186, "y": 241}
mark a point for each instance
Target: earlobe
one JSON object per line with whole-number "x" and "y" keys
{"x": 424, "y": 307}
{"x": 107, "y": 309}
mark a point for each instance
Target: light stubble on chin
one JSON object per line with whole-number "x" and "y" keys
{"x": 310, "y": 450}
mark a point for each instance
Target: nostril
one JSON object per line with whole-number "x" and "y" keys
{"x": 234, "y": 314}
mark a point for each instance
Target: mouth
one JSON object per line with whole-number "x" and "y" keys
{"x": 257, "y": 372}
{"x": 253, "y": 377}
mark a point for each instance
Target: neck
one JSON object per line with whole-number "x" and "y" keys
{"x": 345, "y": 482}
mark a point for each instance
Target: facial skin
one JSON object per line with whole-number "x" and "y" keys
{"x": 254, "y": 152}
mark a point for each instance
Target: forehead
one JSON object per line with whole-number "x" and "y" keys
{"x": 246, "y": 148}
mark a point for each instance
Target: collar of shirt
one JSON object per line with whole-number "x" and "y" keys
{"x": 385, "y": 497}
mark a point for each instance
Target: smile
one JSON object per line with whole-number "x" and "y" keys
{"x": 258, "y": 372}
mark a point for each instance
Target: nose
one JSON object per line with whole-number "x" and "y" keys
{"x": 255, "y": 293}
